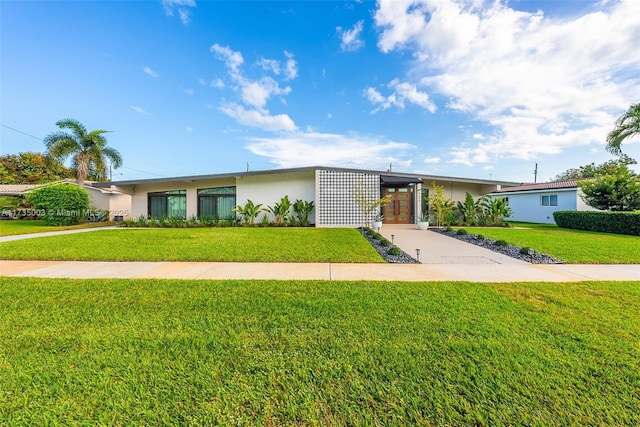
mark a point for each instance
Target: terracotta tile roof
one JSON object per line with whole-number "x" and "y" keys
{"x": 540, "y": 186}
{"x": 15, "y": 188}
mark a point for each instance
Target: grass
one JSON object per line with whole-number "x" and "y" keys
{"x": 237, "y": 244}
{"x": 572, "y": 246}
{"x": 166, "y": 352}
{"x": 16, "y": 226}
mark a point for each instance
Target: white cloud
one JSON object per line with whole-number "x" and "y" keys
{"x": 290, "y": 66}
{"x": 269, "y": 65}
{"x": 217, "y": 83}
{"x": 430, "y": 160}
{"x": 329, "y": 116}
{"x": 256, "y": 93}
{"x": 543, "y": 83}
{"x": 258, "y": 118}
{"x": 289, "y": 69}
{"x": 478, "y": 136}
{"x": 189, "y": 129}
{"x": 138, "y": 109}
{"x": 403, "y": 93}
{"x": 313, "y": 148}
{"x": 149, "y": 71}
{"x": 188, "y": 92}
{"x": 182, "y": 6}
{"x": 350, "y": 39}
{"x": 232, "y": 59}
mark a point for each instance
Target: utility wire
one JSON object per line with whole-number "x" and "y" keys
{"x": 40, "y": 139}
{"x": 24, "y": 133}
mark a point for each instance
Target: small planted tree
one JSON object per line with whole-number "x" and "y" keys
{"x": 367, "y": 204}
{"x": 439, "y": 204}
{"x": 496, "y": 209}
{"x": 470, "y": 209}
{"x": 280, "y": 211}
{"x": 249, "y": 212}
{"x": 62, "y": 204}
{"x": 302, "y": 209}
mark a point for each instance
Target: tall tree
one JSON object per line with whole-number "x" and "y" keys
{"x": 626, "y": 126}
{"x": 31, "y": 168}
{"x": 89, "y": 149}
{"x": 616, "y": 191}
{"x": 591, "y": 170}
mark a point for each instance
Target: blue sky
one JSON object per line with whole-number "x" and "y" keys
{"x": 467, "y": 88}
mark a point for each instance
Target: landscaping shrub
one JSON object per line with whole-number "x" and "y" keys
{"x": 601, "y": 221}
{"x": 480, "y": 237}
{"x": 500, "y": 243}
{"x": 62, "y": 204}
{"x": 385, "y": 242}
{"x": 462, "y": 232}
{"x": 394, "y": 250}
{"x": 526, "y": 251}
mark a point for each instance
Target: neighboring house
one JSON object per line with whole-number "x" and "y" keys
{"x": 538, "y": 202}
{"x": 331, "y": 190}
{"x": 118, "y": 204}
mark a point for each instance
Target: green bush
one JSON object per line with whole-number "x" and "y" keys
{"x": 394, "y": 250}
{"x": 526, "y": 251}
{"x": 600, "y": 221}
{"x": 62, "y": 204}
{"x": 500, "y": 243}
{"x": 385, "y": 242}
{"x": 480, "y": 237}
{"x": 462, "y": 232}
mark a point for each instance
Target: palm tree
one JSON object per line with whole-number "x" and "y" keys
{"x": 627, "y": 126}
{"x": 89, "y": 149}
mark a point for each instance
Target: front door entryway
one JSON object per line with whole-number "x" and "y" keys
{"x": 398, "y": 210}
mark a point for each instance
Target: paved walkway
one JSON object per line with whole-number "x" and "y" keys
{"x": 442, "y": 258}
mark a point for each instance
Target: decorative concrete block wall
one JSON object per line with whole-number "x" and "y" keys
{"x": 336, "y": 204}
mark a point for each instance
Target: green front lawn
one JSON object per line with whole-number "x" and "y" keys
{"x": 237, "y": 244}
{"x": 12, "y": 227}
{"x": 166, "y": 352}
{"x": 572, "y": 246}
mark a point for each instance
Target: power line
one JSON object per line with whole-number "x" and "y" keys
{"x": 24, "y": 133}
{"x": 40, "y": 139}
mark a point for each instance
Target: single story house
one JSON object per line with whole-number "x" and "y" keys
{"x": 118, "y": 204}
{"x": 331, "y": 189}
{"x": 537, "y": 202}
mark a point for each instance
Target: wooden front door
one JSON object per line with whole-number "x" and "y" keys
{"x": 398, "y": 210}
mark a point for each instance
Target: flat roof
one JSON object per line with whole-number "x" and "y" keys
{"x": 302, "y": 169}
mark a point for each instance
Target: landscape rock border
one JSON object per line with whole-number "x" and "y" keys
{"x": 509, "y": 250}
{"x": 403, "y": 258}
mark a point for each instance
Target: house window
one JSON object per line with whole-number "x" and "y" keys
{"x": 216, "y": 202}
{"x": 166, "y": 204}
{"x": 551, "y": 200}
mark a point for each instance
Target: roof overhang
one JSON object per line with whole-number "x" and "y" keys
{"x": 393, "y": 180}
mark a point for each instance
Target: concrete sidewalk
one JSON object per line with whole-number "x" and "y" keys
{"x": 53, "y": 233}
{"x": 442, "y": 258}
{"x": 320, "y": 271}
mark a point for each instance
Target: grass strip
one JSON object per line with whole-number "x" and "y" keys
{"x": 149, "y": 352}
{"x": 12, "y": 227}
{"x": 237, "y": 244}
{"x": 572, "y": 246}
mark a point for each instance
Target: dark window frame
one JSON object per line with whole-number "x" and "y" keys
{"x": 215, "y": 193}
{"x": 165, "y": 195}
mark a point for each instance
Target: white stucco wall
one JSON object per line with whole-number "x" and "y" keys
{"x": 264, "y": 189}
{"x": 139, "y": 193}
{"x": 527, "y": 206}
{"x": 116, "y": 204}
{"x": 268, "y": 189}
